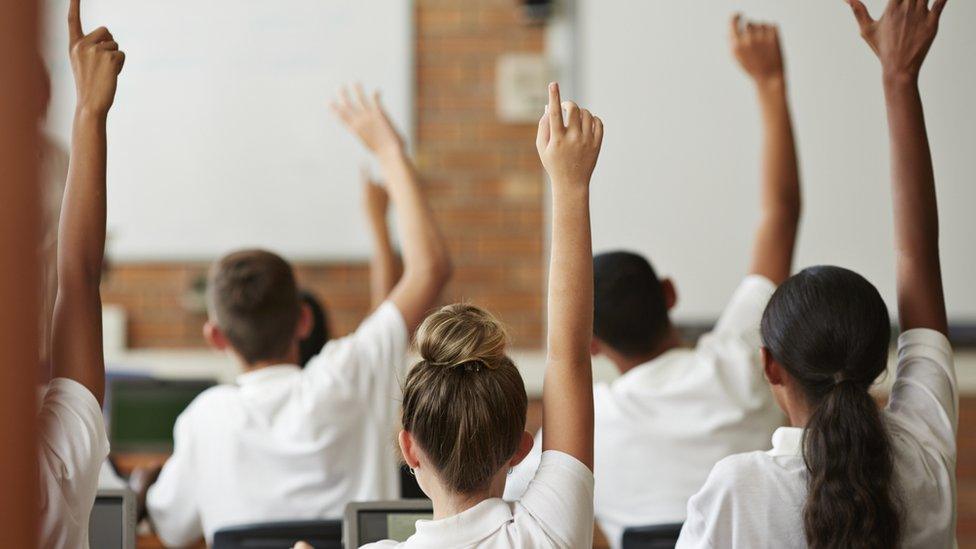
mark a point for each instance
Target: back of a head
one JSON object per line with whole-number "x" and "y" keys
{"x": 253, "y": 299}
{"x": 629, "y": 309}
{"x": 465, "y": 402}
{"x": 829, "y": 328}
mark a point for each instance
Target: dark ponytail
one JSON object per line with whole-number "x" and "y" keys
{"x": 829, "y": 328}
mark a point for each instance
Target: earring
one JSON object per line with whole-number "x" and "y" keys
{"x": 511, "y": 470}
{"x": 413, "y": 472}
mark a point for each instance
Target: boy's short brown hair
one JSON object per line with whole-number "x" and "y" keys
{"x": 253, "y": 298}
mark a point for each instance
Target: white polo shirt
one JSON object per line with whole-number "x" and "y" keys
{"x": 555, "y": 512}
{"x": 286, "y": 443}
{"x": 756, "y": 500}
{"x": 72, "y": 447}
{"x": 660, "y": 427}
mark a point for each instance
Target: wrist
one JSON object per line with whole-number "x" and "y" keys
{"x": 571, "y": 188}
{"x": 92, "y": 113}
{"x": 899, "y": 79}
{"x": 390, "y": 154}
{"x": 774, "y": 84}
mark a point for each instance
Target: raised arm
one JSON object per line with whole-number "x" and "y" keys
{"x": 77, "y": 336}
{"x": 756, "y": 47}
{"x": 569, "y": 155}
{"x": 901, "y": 38}
{"x": 426, "y": 263}
{"x": 384, "y": 267}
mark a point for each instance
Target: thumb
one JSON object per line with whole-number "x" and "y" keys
{"x": 861, "y": 14}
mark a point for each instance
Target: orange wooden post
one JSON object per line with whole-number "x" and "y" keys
{"x": 19, "y": 272}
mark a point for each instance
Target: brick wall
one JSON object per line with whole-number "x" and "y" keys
{"x": 482, "y": 176}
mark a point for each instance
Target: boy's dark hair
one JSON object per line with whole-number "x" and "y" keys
{"x": 253, "y": 298}
{"x": 629, "y": 310}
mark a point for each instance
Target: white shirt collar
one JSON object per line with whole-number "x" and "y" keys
{"x": 787, "y": 441}
{"x": 267, "y": 373}
{"x": 465, "y": 528}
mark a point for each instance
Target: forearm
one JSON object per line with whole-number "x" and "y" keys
{"x": 81, "y": 232}
{"x": 921, "y": 301}
{"x": 780, "y": 187}
{"x": 424, "y": 250}
{"x": 383, "y": 265}
{"x": 568, "y": 385}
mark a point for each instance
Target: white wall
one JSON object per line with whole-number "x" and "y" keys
{"x": 221, "y": 136}
{"x": 678, "y": 176}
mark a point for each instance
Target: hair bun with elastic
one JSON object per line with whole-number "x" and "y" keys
{"x": 463, "y": 336}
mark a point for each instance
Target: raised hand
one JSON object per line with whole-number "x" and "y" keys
{"x": 756, "y": 48}
{"x": 375, "y": 197}
{"x": 365, "y": 117}
{"x": 903, "y": 35}
{"x": 96, "y": 62}
{"x": 568, "y": 152}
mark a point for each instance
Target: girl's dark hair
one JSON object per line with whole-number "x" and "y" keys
{"x": 829, "y": 328}
{"x": 319, "y": 335}
{"x": 465, "y": 402}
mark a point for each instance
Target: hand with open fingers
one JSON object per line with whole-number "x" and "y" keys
{"x": 96, "y": 62}
{"x": 568, "y": 150}
{"x": 756, "y": 48}
{"x": 903, "y": 35}
{"x": 365, "y": 117}
{"x": 375, "y": 197}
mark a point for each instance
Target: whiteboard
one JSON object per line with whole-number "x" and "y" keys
{"x": 221, "y": 136}
{"x": 678, "y": 178}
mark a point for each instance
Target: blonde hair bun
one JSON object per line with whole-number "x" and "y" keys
{"x": 462, "y": 334}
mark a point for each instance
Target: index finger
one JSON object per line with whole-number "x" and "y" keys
{"x": 555, "y": 110}
{"x": 735, "y": 25}
{"x": 75, "y": 32}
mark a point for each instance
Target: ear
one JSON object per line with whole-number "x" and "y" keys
{"x": 214, "y": 336}
{"x": 773, "y": 370}
{"x": 525, "y": 446}
{"x": 596, "y": 346}
{"x": 305, "y": 322}
{"x": 408, "y": 449}
{"x": 670, "y": 293}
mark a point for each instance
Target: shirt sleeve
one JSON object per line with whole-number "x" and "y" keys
{"x": 560, "y": 498}
{"x": 742, "y": 314}
{"x": 171, "y": 502}
{"x": 73, "y": 441}
{"x": 372, "y": 360}
{"x": 518, "y": 482}
{"x": 925, "y": 397}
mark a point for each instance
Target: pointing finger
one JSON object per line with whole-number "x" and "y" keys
{"x": 75, "y": 32}
{"x": 555, "y": 111}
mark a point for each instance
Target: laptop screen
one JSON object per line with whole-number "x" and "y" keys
{"x": 144, "y": 411}
{"x": 377, "y": 524}
{"x": 106, "y": 527}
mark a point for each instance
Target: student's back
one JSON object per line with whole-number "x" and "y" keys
{"x": 285, "y": 443}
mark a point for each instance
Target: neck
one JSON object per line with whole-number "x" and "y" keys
{"x": 447, "y": 504}
{"x": 625, "y": 363}
{"x": 290, "y": 358}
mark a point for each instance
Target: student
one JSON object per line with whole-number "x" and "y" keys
{"x": 285, "y": 443}
{"x": 845, "y": 474}
{"x": 384, "y": 269}
{"x": 676, "y": 411}
{"x": 464, "y": 403}
{"x": 73, "y": 442}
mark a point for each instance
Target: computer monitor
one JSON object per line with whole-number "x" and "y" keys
{"x": 141, "y": 411}
{"x": 112, "y": 524}
{"x": 366, "y": 522}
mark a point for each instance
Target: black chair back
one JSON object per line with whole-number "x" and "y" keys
{"x": 655, "y": 536}
{"x": 321, "y": 534}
